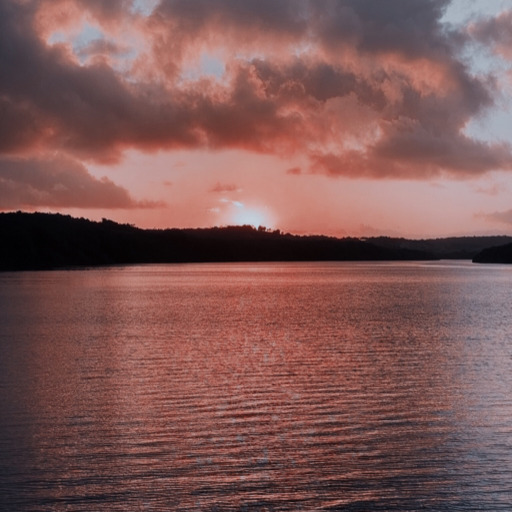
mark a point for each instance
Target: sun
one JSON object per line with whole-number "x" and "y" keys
{"x": 230, "y": 212}
{"x": 253, "y": 217}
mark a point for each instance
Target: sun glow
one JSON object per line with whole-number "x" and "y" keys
{"x": 253, "y": 217}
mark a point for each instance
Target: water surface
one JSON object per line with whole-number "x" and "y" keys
{"x": 317, "y": 386}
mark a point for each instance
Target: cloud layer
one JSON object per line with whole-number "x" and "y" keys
{"x": 59, "y": 182}
{"x": 361, "y": 89}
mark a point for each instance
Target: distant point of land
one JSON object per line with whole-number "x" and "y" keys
{"x": 40, "y": 241}
{"x": 499, "y": 254}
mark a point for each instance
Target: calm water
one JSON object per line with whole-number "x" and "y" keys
{"x": 332, "y": 386}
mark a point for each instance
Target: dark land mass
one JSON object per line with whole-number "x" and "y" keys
{"x": 44, "y": 241}
{"x": 499, "y": 254}
{"x": 455, "y": 248}
{"x": 37, "y": 241}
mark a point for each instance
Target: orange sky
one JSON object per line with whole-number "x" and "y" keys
{"x": 311, "y": 116}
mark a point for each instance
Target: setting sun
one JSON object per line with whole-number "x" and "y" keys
{"x": 252, "y": 217}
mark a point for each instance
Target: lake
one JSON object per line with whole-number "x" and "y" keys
{"x": 267, "y": 386}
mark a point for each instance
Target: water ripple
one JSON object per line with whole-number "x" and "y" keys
{"x": 296, "y": 387}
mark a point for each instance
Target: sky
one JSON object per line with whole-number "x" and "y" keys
{"x": 337, "y": 117}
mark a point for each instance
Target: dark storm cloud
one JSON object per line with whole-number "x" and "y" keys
{"x": 262, "y": 18}
{"x": 361, "y": 88}
{"x": 407, "y": 27}
{"x": 87, "y": 110}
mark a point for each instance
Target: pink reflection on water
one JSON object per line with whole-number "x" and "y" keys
{"x": 231, "y": 386}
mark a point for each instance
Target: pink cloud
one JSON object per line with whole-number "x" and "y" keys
{"x": 504, "y": 217}
{"x": 102, "y": 47}
{"x": 358, "y": 89}
{"x": 225, "y": 187}
{"x": 495, "y": 32}
{"x": 59, "y": 182}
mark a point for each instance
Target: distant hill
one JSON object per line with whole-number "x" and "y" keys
{"x": 46, "y": 241}
{"x": 460, "y": 248}
{"x": 499, "y": 254}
